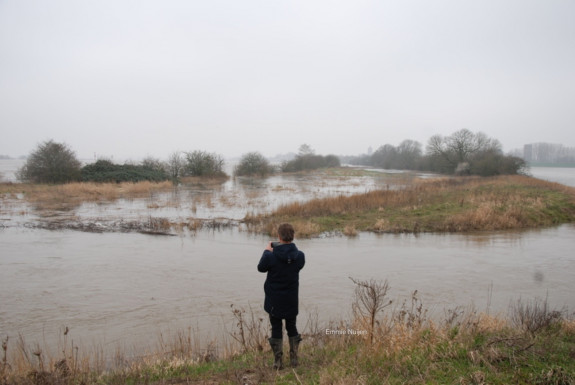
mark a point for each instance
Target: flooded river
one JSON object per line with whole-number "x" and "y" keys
{"x": 114, "y": 288}
{"x": 124, "y": 289}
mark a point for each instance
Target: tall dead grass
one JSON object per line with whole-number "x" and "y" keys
{"x": 73, "y": 194}
{"x": 406, "y": 344}
{"x": 401, "y": 343}
{"x": 484, "y": 193}
{"x": 447, "y": 204}
{"x": 128, "y": 190}
{"x": 303, "y": 228}
{"x": 32, "y": 364}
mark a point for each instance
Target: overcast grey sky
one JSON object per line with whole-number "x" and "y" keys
{"x": 134, "y": 78}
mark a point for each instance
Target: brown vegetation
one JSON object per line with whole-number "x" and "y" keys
{"x": 70, "y": 195}
{"x": 448, "y": 204}
{"x": 381, "y": 344}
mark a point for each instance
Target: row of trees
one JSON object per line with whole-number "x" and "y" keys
{"x": 306, "y": 159}
{"x": 462, "y": 153}
{"x": 54, "y": 163}
{"x": 255, "y": 163}
{"x": 548, "y": 153}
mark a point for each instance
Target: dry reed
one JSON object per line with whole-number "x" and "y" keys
{"x": 65, "y": 196}
{"x": 405, "y": 345}
{"x": 447, "y": 204}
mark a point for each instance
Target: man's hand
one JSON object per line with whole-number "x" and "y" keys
{"x": 270, "y": 248}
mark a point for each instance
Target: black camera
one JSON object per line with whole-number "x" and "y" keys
{"x": 275, "y": 244}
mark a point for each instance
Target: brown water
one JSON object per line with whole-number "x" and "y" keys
{"x": 124, "y": 289}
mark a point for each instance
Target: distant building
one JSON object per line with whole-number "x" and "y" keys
{"x": 548, "y": 153}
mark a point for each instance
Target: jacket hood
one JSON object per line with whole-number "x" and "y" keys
{"x": 287, "y": 253}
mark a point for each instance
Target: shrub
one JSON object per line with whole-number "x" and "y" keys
{"x": 52, "y": 163}
{"x": 106, "y": 171}
{"x": 535, "y": 316}
{"x": 369, "y": 301}
{"x": 310, "y": 162}
{"x": 489, "y": 163}
{"x": 175, "y": 166}
{"x": 201, "y": 163}
{"x": 253, "y": 163}
{"x": 154, "y": 164}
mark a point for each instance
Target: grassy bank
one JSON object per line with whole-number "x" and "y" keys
{"x": 533, "y": 345}
{"x": 439, "y": 205}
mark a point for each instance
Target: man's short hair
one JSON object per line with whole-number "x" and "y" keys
{"x": 286, "y": 232}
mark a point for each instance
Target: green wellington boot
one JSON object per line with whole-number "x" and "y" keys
{"x": 293, "y": 347}
{"x": 276, "y": 344}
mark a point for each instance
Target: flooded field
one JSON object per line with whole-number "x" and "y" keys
{"x": 218, "y": 201}
{"x": 115, "y": 288}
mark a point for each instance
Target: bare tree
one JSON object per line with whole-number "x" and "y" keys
{"x": 409, "y": 153}
{"x": 461, "y": 146}
{"x": 202, "y": 163}
{"x": 175, "y": 166}
{"x": 51, "y": 162}
{"x": 369, "y": 300}
{"x": 305, "y": 149}
{"x": 152, "y": 163}
{"x": 385, "y": 157}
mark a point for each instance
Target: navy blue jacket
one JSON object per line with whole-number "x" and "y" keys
{"x": 282, "y": 282}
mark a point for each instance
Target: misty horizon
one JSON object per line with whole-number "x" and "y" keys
{"x": 279, "y": 156}
{"x": 148, "y": 78}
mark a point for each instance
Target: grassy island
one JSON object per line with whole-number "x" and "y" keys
{"x": 457, "y": 204}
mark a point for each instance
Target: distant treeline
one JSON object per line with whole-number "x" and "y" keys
{"x": 55, "y": 162}
{"x": 549, "y": 154}
{"x": 462, "y": 153}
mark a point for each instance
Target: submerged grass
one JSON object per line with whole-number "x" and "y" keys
{"x": 440, "y": 205}
{"x": 403, "y": 346}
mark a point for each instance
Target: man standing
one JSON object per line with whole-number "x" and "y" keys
{"x": 282, "y": 262}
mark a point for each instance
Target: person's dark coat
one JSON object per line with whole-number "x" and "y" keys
{"x": 282, "y": 282}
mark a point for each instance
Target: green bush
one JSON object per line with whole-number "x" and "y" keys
{"x": 310, "y": 162}
{"x": 106, "y": 171}
{"x": 253, "y": 163}
{"x": 52, "y": 163}
{"x": 491, "y": 163}
{"x": 201, "y": 163}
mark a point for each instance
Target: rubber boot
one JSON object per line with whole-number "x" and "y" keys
{"x": 276, "y": 344}
{"x": 293, "y": 348}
